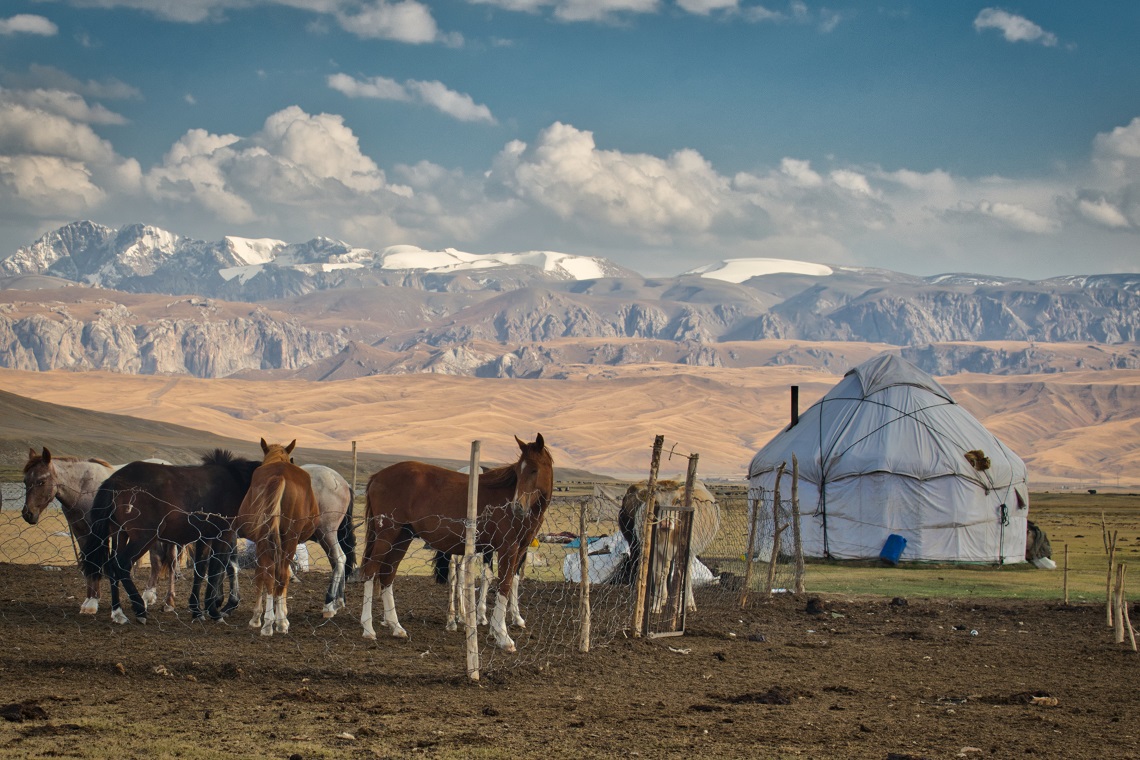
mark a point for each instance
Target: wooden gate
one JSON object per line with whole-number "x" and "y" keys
{"x": 668, "y": 581}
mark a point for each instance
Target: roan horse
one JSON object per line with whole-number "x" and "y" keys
{"x": 277, "y": 513}
{"x": 145, "y": 502}
{"x": 74, "y": 482}
{"x": 413, "y": 499}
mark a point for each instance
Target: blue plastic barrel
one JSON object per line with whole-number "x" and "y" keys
{"x": 893, "y": 549}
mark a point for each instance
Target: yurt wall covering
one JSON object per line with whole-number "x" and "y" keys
{"x": 885, "y": 452}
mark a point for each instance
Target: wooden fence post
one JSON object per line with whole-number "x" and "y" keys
{"x": 777, "y": 529}
{"x": 797, "y": 542}
{"x": 584, "y": 582}
{"x": 643, "y": 531}
{"x": 690, "y": 483}
{"x": 1065, "y": 576}
{"x": 471, "y": 630}
{"x": 752, "y": 531}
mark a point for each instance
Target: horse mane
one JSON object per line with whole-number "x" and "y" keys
{"x": 65, "y": 458}
{"x": 500, "y": 477}
{"x": 219, "y": 456}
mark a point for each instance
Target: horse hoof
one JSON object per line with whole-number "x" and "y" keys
{"x": 89, "y": 607}
{"x": 119, "y": 617}
{"x": 509, "y": 648}
{"x": 451, "y": 626}
{"x": 370, "y": 635}
{"x": 267, "y": 631}
{"x": 328, "y": 614}
{"x": 400, "y": 634}
{"x": 255, "y": 623}
{"x": 168, "y": 608}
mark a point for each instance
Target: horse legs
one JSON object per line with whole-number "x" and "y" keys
{"x": 281, "y": 592}
{"x": 90, "y": 605}
{"x": 119, "y": 571}
{"x": 334, "y": 597}
{"x": 162, "y": 554}
{"x": 202, "y": 559}
{"x": 386, "y": 547}
{"x": 455, "y": 599}
{"x": 508, "y": 561}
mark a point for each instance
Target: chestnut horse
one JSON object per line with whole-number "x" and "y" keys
{"x": 74, "y": 482}
{"x": 146, "y": 502}
{"x": 277, "y": 513}
{"x": 413, "y": 499}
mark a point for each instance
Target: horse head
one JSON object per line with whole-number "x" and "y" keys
{"x": 40, "y": 485}
{"x": 275, "y": 452}
{"x": 534, "y": 473}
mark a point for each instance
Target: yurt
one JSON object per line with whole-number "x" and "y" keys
{"x": 890, "y": 464}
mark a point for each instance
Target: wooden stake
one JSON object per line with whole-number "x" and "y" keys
{"x": 797, "y": 543}
{"x": 1117, "y": 603}
{"x": 643, "y": 531}
{"x": 777, "y": 529}
{"x": 471, "y": 630}
{"x": 354, "y": 469}
{"x": 584, "y": 583}
{"x": 1124, "y": 612}
{"x": 1111, "y": 546}
{"x": 1065, "y": 576}
{"x": 752, "y": 531}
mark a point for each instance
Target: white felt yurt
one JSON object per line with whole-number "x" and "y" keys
{"x": 885, "y": 452}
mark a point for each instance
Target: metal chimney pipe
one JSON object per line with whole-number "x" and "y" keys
{"x": 795, "y": 404}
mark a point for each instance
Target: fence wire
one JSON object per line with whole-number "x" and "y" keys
{"x": 39, "y": 569}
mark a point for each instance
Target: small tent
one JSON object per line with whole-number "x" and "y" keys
{"x": 888, "y": 451}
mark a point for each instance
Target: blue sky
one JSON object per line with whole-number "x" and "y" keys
{"x": 925, "y": 137}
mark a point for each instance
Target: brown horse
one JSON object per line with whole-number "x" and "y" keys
{"x": 74, "y": 482}
{"x": 413, "y": 499}
{"x": 277, "y": 513}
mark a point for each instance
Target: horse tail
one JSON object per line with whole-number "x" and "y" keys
{"x": 93, "y": 554}
{"x": 346, "y": 538}
{"x": 442, "y": 567}
{"x": 273, "y": 518}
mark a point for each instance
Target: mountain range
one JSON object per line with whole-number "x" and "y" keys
{"x": 140, "y": 299}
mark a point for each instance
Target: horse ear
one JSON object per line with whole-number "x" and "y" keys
{"x": 520, "y": 443}
{"x": 264, "y": 447}
{"x": 32, "y": 454}
{"x": 539, "y": 442}
{"x": 47, "y": 455}
{"x": 291, "y": 446}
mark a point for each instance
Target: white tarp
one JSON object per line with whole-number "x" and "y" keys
{"x": 607, "y": 554}
{"x": 884, "y": 452}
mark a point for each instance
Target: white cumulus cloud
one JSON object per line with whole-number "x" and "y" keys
{"x": 405, "y": 21}
{"x": 435, "y": 94}
{"x": 1013, "y": 27}
{"x": 27, "y": 23}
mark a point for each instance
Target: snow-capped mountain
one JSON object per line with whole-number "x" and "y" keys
{"x": 407, "y": 309}
{"x": 143, "y": 258}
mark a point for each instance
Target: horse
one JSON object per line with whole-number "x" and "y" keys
{"x": 277, "y": 513}
{"x": 146, "y": 502}
{"x": 334, "y": 533}
{"x": 74, "y": 482}
{"x": 414, "y": 499}
{"x": 706, "y": 523}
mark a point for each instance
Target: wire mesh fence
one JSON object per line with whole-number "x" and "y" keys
{"x": 43, "y": 558}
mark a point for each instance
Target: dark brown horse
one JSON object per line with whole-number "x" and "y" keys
{"x": 279, "y": 512}
{"x": 413, "y": 499}
{"x": 145, "y": 502}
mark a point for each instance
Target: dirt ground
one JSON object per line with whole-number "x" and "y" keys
{"x": 863, "y": 678}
